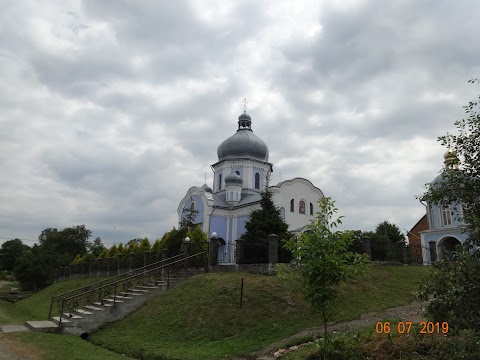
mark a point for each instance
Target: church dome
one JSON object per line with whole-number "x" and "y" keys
{"x": 243, "y": 144}
{"x": 207, "y": 188}
{"x": 233, "y": 179}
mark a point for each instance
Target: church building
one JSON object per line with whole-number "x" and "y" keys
{"x": 444, "y": 227}
{"x": 240, "y": 175}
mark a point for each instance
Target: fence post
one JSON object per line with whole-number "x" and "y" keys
{"x": 367, "y": 246}
{"x": 99, "y": 264}
{"x": 213, "y": 251}
{"x": 164, "y": 262}
{"x": 272, "y": 248}
{"x": 90, "y": 264}
{"x": 402, "y": 252}
{"x": 145, "y": 258}
{"x": 119, "y": 264}
{"x": 130, "y": 259}
{"x": 240, "y": 251}
{"x": 108, "y": 260}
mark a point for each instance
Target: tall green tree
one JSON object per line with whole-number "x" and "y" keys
{"x": 10, "y": 251}
{"x": 265, "y": 221}
{"x": 453, "y": 289}
{"x": 322, "y": 260}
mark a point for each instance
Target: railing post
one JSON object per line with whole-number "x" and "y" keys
{"x": 61, "y": 313}
{"x": 50, "y": 311}
{"x": 99, "y": 262}
{"x": 90, "y": 265}
{"x": 115, "y": 295}
{"x": 108, "y": 266}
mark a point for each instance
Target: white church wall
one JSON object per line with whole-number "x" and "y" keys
{"x": 297, "y": 189}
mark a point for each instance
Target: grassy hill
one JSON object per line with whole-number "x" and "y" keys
{"x": 201, "y": 318}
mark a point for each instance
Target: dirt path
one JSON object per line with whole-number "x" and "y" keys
{"x": 411, "y": 312}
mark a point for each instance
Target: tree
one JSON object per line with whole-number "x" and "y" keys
{"x": 96, "y": 248}
{"x": 33, "y": 269}
{"x": 322, "y": 260}
{"x": 189, "y": 214}
{"x": 65, "y": 245}
{"x": 265, "y": 221}
{"x": 452, "y": 291}
{"x": 10, "y": 251}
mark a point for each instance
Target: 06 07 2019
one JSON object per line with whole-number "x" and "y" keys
{"x": 405, "y": 327}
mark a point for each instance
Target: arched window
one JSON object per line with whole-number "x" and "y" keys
{"x": 292, "y": 205}
{"x": 231, "y": 195}
{"x": 311, "y": 209}
{"x": 301, "y": 207}
{"x": 257, "y": 181}
{"x": 219, "y": 181}
{"x": 192, "y": 206}
{"x": 446, "y": 213}
{"x": 237, "y": 172}
{"x": 282, "y": 213}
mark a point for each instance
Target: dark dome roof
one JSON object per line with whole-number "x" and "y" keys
{"x": 243, "y": 144}
{"x": 233, "y": 178}
{"x": 207, "y": 188}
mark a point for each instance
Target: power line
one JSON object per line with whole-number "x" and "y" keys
{"x": 13, "y": 237}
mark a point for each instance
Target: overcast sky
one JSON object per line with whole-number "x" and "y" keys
{"x": 111, "y": 110}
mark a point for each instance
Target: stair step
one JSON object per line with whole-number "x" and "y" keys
{"x": 71, "y": 316}
{"x": 83, "y": 312}
{"x": 130, "y": 294}
{"x": 141, "y": 290}
{"x": 114, "y": 300}
{"x": 121, "y": 297}
{"x": 104, "y": 305}
{"x": 65, "y": 322}
{"x": 147, "y": 287}
{"x": 94, "y": 308}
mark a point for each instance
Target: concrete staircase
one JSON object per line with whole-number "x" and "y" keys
{"x": 88, "y": 318}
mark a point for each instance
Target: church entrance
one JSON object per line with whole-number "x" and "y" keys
{"x": 447, "y": 248}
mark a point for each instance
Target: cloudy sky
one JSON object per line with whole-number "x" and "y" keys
{"x": 111, "y": 110}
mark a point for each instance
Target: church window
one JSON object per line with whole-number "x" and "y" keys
{"x": 219, "y": 181}
{"x": 237, "y": 172}
{"x": 446, "y": 213}
{"x": 301, "y": 207}
{"x": 292, "y": 205}
{"x": 311, "y": 209}
{"x": 231, "y": 195}
{"x": 192, "y": 206}
{"x": 257, "y": 181}
{"x": 282, "y": 213}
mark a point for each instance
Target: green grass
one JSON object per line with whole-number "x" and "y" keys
{"x": 201, "y": 318}
{"x": 36, "y": 306}
{"x": 378, "y": 289}
{"x": 37, "y": 345}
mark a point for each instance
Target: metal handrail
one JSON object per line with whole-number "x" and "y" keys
{"x": 143, "y": 274}
{"x": 117, "y": 276}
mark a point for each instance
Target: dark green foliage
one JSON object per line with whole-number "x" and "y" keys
{"x": 452, "y": 292}
{"x": 172, "y": 241}
{"x": 9, "y": 253}
{"x": 33, "y": 269}
{"x": 265, "y": 221}
{"x": 57, "y": 248}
